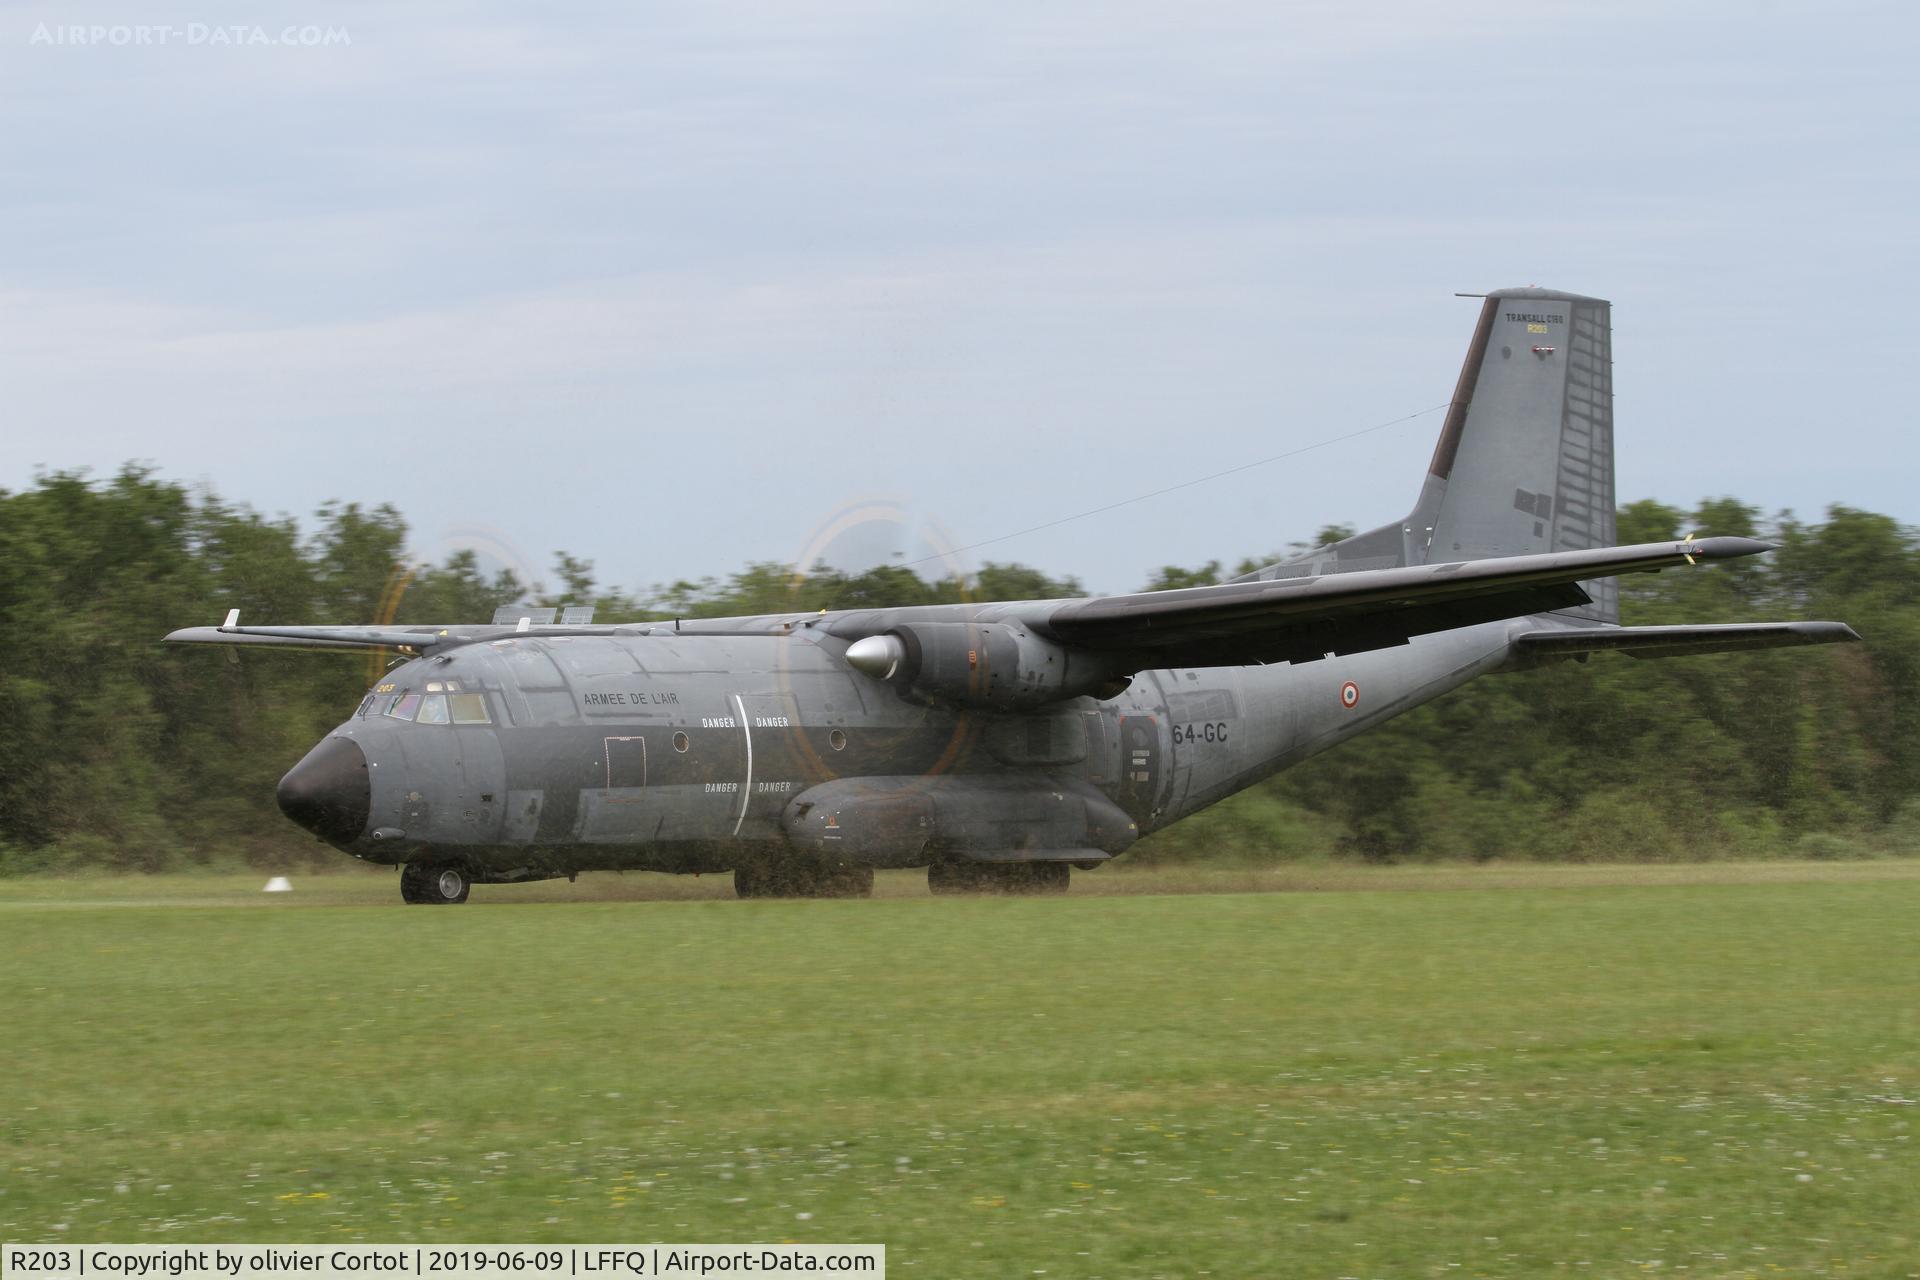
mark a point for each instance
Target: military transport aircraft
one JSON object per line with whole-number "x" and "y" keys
{"x": 998, "y": 745}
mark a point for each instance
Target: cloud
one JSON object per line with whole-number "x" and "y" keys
{"x": 630, "y": 258}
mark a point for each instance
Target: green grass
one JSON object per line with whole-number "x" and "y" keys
{"x": 1579, "y": 1071}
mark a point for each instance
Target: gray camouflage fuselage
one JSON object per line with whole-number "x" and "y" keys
{"x": 695, "y": 752}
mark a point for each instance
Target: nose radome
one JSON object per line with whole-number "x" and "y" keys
{"x": 328, "y": 792}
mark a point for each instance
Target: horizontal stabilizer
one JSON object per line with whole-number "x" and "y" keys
{"x": 1678, "y": 641}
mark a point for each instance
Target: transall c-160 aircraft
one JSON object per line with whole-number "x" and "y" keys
{"x": 999, "y": 745}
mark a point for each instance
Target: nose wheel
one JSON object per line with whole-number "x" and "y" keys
{"x": 445, "y": 883}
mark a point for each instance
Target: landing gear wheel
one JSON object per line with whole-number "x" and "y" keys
{"x": 947, "y": 878}
{"x": 960, "y": 876}
{"x": 848, "y": 881}
{"x": 798, "y": 878}
{"x": 1044, "y": 877}
{"x": 443, "y": 883}
{"x": 752, "y": 881}
{"x": 1038, "y": 877}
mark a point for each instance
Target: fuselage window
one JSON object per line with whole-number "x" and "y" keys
{"x": 469, "y": 708}
{"x": 433, "y": 709}
{"x": 405, "y": 707}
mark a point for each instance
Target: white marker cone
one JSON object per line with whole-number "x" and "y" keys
{"x": 279, "y": 884}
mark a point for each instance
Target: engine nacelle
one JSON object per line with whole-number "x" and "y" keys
{"x": 998, "y": 665}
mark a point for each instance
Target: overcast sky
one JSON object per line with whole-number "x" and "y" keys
{"x": 676, "y": 287}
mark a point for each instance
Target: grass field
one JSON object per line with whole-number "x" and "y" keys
{"x": 1708, "y": 1070}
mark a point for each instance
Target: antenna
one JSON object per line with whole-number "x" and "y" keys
{"x": 510, "y": 614}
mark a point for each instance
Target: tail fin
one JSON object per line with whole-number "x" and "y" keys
{"x": 1525, "y": 460}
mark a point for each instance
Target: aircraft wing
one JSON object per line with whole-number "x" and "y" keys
{"x": 421, "y": 639}
{"x": 412, "y": 639}
{"x": 1677, "y": 641}
{"x": 1301, "y": 619}
{"x": 268, "y": 637}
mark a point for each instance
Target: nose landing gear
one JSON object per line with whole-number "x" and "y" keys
{"x": 445, "y": 883}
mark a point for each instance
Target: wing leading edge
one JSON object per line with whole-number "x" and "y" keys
{"x": 426, "y": 639}
{"x": 405, "y": 639}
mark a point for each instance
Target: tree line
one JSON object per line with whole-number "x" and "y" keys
{"x": 122, "y": 753}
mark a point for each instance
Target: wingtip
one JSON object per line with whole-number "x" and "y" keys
{"x": 1727, "y": 547}
{"x": 1825, "y": 632}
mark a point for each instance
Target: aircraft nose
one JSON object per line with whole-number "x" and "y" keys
{"x": 328, "y": 792}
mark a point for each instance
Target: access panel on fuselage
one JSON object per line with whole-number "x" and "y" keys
{"x": 1140, "y": 760}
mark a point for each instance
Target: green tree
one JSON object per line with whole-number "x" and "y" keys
{"x": 1171, "y": 577}
{"x": 124, "y": 753}
{"x": 1018, "y": 582}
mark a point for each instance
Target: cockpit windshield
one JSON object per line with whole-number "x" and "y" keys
{"x": 443, "y": 703}
{"x": 468, "y": 708}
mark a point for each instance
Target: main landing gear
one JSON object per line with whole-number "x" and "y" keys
{"x": 439, "y": 882}
{"x": 958, "y": 876}
{"x": 802, "y": 878}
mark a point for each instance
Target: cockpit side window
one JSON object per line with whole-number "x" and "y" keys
{"x": 468, "y": 708}
{"x": 405, "y": 706}
{"x": 433, "y": 709}
{"x": 365, "y": 703}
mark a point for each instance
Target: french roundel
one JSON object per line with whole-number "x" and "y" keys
{"x": 1349, "y": 695}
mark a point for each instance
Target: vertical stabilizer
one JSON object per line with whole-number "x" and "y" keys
{"x": 1525, "y": 459}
